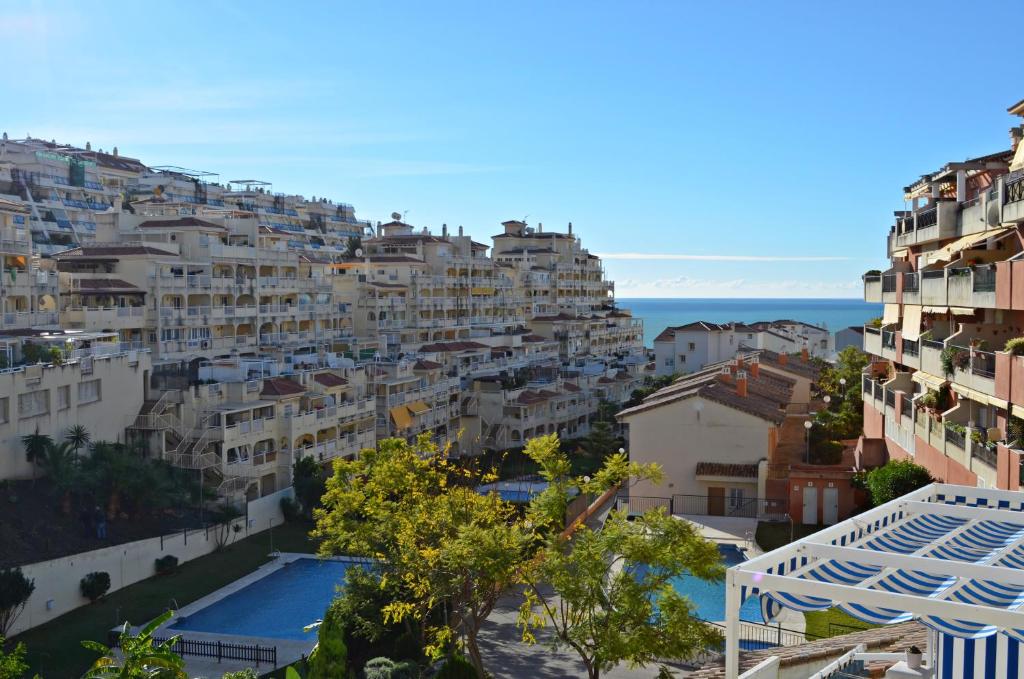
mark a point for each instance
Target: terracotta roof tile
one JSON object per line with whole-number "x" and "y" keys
{"x": 723, "y": 469}
{"x": 281, "y": 386}
{"x": 330, "y": 379}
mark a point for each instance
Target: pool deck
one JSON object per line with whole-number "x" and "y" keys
{"x": 288, "y": 650}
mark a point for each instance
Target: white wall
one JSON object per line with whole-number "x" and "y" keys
{"x": 57, "y": 580}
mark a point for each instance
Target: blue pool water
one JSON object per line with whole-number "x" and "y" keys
{"x": 277, "y": 606}
{"x": 709, "y": 597}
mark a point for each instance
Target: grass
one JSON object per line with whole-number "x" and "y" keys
{"x": 831, "y": 623}
{"x": 55, "y": 650}
{"x": 774, "y": 534}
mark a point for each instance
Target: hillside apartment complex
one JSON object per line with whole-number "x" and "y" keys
{"x": 694, "y": 346}
{"x": 944, "y": 391}
{"x": 234, "y": 330}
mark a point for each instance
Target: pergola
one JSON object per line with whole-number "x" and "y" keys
{"x": 950, "y": 557}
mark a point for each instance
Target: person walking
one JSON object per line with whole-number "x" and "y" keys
{"x": 101, "y": 523}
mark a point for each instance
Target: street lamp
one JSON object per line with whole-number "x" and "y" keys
{"x": 807, "y": 427}
{"x": 842, "y": 383}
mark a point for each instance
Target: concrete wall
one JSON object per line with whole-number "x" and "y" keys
{"x": 57, "y": 580}
{"x": 678, "y": 436}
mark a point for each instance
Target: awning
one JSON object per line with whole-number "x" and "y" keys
{"x": 979, "y": 397}
{"x": 911, "y": 322}
{"x": 961, "y": 311}
{"x": 418, "y": 407}
{"x": 891, "y": 314}
{"x": 482, "y": 291}
{"x": 936, "y": 309}
{"x": 947, "y": 253}
{"x": 930, "y": 381}
{"x": 400, "y": 414}
{"x": 900, "y": 252}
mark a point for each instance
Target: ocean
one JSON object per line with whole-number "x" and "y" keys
{"x": 835, "y": 314}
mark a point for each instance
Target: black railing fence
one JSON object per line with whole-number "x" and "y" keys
{"x": 253, "y": 653}
{"x": 705, "y": 505}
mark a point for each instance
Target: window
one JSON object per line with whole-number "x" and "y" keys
{"x": 735, "y": 497}
{"x": 682, "y": 358}
{"x": 168, "y": 334}
{"x": 669, "y": 362}
{"x": 5, "y": 414}
{"x": 63, "y": 398}
{"x": 88, "y": 392}
{"x": 199, "y": 333}
{"x": 34, "y": 403}
{"x": 691, "y": 347}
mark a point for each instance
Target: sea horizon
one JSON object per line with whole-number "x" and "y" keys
{"x": 834, "y": 313}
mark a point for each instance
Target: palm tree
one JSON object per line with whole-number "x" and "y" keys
{"x": 60, "y": 462}
{"x": 78, "y": 436}
{"x": 35, "y": 449}
{"x": 140, "y": 657}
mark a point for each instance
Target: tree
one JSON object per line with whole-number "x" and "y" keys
{"x": 12, "y": 665}
{"x": 352, "y": 244}
{"x": 329, "y": 659}
{"x": 310, "y": 482}
{"x": 445, "y": 551}
{"x": 895, "y": 479}
{"x": 78, "y": 436}
{"x": 35, "y": 448}
{"x": 60, "y": 464}
{"x": 606, "y": 613}
{"x": 601, "y": 441}
{"x": 140, "y": 656}
{"x": 94, "y": 585}
{"x": 15, "y": 589}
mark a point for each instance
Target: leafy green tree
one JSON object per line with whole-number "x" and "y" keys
{"x": 15, "y": 589}
{"x": 447, "y": 550}
{"x": 895, "y": 479}
{"x": 601, "y": 441}
{"x": 12, "y": 665}
{"x": 35, "y": 445}
{"x": 586, "y": 583}
{"x": 329, "y": 659}
{"x": 310, "y": 483}
{"x": 456, "y": 667}
{"x": 248, "y": 673}
{"x": 140, "y": 656}
{"x": 352, "y": 244}
{"x": 78, "y": 436}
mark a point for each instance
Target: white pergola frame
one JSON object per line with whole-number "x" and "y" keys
{"x": 825, "y": 545}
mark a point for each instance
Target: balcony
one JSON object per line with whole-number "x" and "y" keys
{"x": 889, "y": 294}
{"x": 873, "y": 288}
{"x": 106, "y": 318}
{"x": 911, "y": 353}
{"x": 973, "y": 287}
{"x": 933, "y": 288}
{"x": 872, "y": 341}
{"x": 912, "y": 288}
{"x": 888, "y": 345}
{"x": 1013, "y": 198}
{"x": 931, "y": 356}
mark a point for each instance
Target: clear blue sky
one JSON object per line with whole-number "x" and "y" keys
{"x": 724, "y": 131}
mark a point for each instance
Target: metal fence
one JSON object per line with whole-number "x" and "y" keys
{"x": 253, "y": 653}
{"x": 705, "y": 505}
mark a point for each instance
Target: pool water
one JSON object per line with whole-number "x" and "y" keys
{"x": 278, "y": 605}
{"x": 708, "y": 598}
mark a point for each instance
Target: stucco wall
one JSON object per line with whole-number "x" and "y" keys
{"x": 57, "y": 580}
{"x": 678, "y": 436}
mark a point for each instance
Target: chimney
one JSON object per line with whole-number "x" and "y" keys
{"x": 540, "y": 228}
{"x": 460, "y": 229}
{"x": 741, "y": 383}
{"x": 570, "y": 228}
{"x": 783, "y": 358}
{"x": 755, "y": 367}
{"x": 805, "y": 355}
{"x": 444, "y": 230}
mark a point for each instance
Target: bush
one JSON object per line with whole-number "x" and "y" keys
{"x": 15, "y": 589}
{"x": 1015, "y": 346}
{"x": 166, "y": 564}
{"x": 456, "y": 667}
{"x": 386, "y": 668}
{"x": 291, "y": 510}
{"x": 95, "y": 585}
{"x": 896, "y": 479}
{"x": 330, "y": 658}
{"x": 827, "y": 452}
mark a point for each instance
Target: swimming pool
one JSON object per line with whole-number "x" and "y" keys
{"x": 709, "y": 597}
{"x": 277, "y": 606}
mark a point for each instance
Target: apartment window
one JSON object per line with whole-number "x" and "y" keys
{"x": 199, "y": 333}
{"x": 168, "y": 334}
{"x": 682, "y": 358}
{"x": 5, "y": 414}
{"x": 670, "y": 362}
{"x": 88, "y": 392}
{"x": 691, "y": 347}
{"x": 63, "y": 398}
{"x": 34, "y": 403}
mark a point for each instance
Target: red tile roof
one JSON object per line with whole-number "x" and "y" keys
{"x": 281, "y": 386}
{"x": 330, "y": 379}
{"x": 107, "y": 251}
{"x": 180, "y": 222}
{"x": 424, "y": 364}
{"x": 723, "y": 469}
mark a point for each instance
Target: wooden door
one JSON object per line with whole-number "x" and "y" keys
{"x": 716, "y": 501}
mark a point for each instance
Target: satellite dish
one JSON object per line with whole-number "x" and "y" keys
{"x": 396, "y": 216}
{"x": 359, "y": 252}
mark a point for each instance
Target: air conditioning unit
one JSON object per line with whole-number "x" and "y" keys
{"x": 205, "y": 344}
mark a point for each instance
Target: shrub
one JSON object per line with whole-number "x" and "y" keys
{"x": 330, "y": 658}
{"x": 291, "y": 510}
{"x": 929, "y": 400}
{"x": 95, "y": 585}
{"x": 873, "y": 272}
{"x": 166, "y": 564}
{"x": 827, "y": 452}
{"x": 896, "y": 479}
{"x": 386, "y": 668}
{"x": 456, "y": 667}
{"x": 15, "y": 589}
{"x": 1015, "y": 346}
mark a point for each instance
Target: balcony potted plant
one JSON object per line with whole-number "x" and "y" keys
{"x": 914, "y": 658}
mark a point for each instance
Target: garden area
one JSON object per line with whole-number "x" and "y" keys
{"x": 842, "y": 417}
{"x": 92, "y": 494}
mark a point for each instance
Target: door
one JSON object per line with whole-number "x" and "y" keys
{"x": 716, "y": 501}
{"x": 811, "y": 505}
{"x": 830, "y": 506}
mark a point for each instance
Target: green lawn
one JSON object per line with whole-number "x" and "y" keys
{"x": 832, "y": 623}
{"x": 774, "y": 534}
{"x": 54, "y": 649}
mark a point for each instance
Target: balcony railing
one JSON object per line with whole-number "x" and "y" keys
{"x": 983, "y": 364}
{"x": 985, "y": 279}
{"x": 954, "y": 436}
{"x": 907, "y": 407}
{"x": 1013, "y": 190}
{"x": 889, "y": 283}
{"x": 890, "y": 398}
{"x": 888, "y": 339}
{"x": 933, "y": 344}
{"x": 910, "y": 348}
{"x": 926, "y": 218}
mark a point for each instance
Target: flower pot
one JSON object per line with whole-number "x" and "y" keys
{"x": 914, "y": 660}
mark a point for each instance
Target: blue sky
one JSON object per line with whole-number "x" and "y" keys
{"x": 706, "y": 149}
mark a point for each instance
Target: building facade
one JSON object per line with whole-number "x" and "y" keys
{"x": 947, "y": 386}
